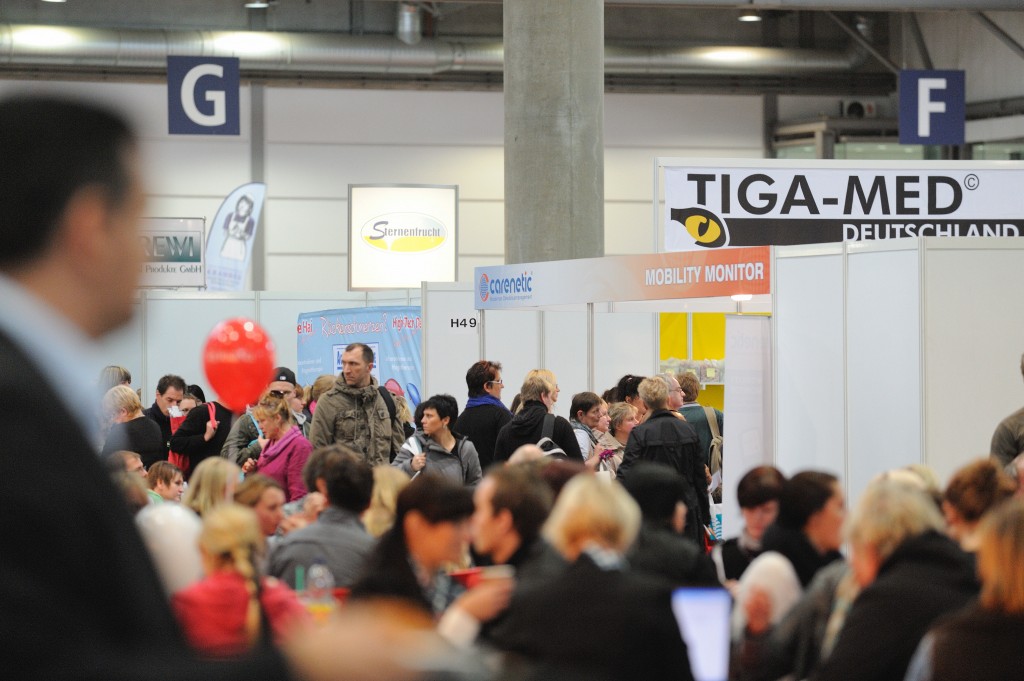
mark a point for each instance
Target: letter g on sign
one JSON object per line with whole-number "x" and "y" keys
{"x": 203, "y": 95}
{"x": 188, "y": 96}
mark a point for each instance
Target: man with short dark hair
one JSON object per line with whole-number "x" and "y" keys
{"x": 170, "y": 390}
{"x": 1008, "y": 440}
{"x": 356, "y": 413}
{"x": 70, "y": 202}
{"x": 337, "y": 539}
{"x": 485, "y": 413}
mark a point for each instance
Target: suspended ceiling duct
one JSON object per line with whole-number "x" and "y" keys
{"x": 289, "y": 55}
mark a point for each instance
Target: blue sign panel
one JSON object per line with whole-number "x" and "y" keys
{"x": 932, "y": 107}
{"x": 202, "y": 95}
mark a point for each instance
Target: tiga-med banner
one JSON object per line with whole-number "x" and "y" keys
{"x": 395, "y": 334}
{"x": 714, "y": 204}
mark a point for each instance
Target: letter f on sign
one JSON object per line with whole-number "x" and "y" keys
{"x": 926, "y": 106}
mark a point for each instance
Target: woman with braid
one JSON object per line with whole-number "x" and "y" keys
{"x": 234, "y": 608}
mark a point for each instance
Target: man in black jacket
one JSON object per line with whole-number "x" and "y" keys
{"x": 527, "y": 427}
{"x": 667, "y": 439}
{"x": 170, "y": 390}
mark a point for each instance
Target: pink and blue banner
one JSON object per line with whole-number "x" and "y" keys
{"x": 395, "y": 334}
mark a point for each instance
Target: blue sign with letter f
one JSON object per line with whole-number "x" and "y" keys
{"x": 932, "y": 107}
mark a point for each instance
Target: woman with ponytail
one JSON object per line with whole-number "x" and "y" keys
{"x": 234, "y": 608}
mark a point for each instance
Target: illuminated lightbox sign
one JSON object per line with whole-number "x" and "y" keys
{"x": 402, "y": 235}
{"x": 174, "y": 254}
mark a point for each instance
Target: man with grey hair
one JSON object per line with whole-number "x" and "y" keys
{"x": 667, "y": 439}
{"x": 1008, "y": 440}
{"x": 675, "y": 393}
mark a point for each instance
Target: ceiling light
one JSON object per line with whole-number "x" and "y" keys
{"x": 255, "y": 4}
{"x": 749, "y": 15}
{"x": 729, "y": 55}
{"x": 55, "y": 0}
{"x": 247, "y": 43}
{"x": 43, "y": 36}
{"x": 742, "y": 297}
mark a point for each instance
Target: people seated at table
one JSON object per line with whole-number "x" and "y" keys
{"x": 234, "y": 608}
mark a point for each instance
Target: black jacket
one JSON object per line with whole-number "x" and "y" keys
{"x": 164, "y": 422}
{"x": 667, "y": 439}
{"x": 141, "y": 436}
{"x": 926, "y": 577}
{"x": 598, "y": 624}
{"x": 525, "y": 429}
{"x": 660, "y": 551}
{"x": 188, "y": 439}
{"x": 79, "y": 594}
{"x": 481, "y": 425}
{"x": 798, "y": 550}
{"x": 977, "y": 644}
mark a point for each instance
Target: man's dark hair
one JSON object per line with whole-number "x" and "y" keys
{"x": 170, "y": 381}
{"x": 526, "y": 495}
{"x": 759, "y": 486}
{"x": 444, "y": 405}
{"x": 479, "y": 375}
{"x": 366, "y": 350}
{"x": 656, "y": 489}
{"x": 802, "y": 496}
{"x": 349, "y": 480}
{"x": 52, "y": 148}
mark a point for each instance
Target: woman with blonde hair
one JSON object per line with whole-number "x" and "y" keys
{"x": 388, "y": 481}
{"x": 983, "y": 641}
{"x": 223, "y": 614}
{"x": 285, "y": 449}
{"x": 633, "y": 633}
{"x": 213, "y": 483}
{"x": 130, "y": 430}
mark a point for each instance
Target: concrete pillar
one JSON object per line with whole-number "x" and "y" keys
{"x": 554, "y": 129}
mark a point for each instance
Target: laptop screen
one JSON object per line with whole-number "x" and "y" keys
{"x": 703, "y": 618}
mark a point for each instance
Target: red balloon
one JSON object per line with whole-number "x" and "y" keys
{"x": 239, "y": 362}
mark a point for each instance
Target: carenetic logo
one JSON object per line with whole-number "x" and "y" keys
{"x": 484, "y": 290}
{"x": 404, "y": 232}
{"x": 706, "y": 228}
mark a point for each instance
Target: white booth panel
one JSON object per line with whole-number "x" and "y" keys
{"x": 974, "y": 336}
{"x": 810, "y": 390}
{"x": 512, "y": 338}
{"x": 449, "y": 348}
{"x": 748, "y": 402}
{"x": 624, "y": 343}
{"x": 565, "y": 353}
{"x": 176, "y": 329}
{"x": 883, "y": 335}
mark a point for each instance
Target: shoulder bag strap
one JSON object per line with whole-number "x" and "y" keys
{"x": 712, "y": 417}
{"x": 549, "y": 426}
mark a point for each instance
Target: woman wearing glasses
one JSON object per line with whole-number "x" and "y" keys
{"x": 284, "y": 450}
{"x": 485, "y": 413}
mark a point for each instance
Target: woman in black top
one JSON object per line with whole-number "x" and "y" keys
{"x": 758, "y": 497}
{"x": 130, "y": 429}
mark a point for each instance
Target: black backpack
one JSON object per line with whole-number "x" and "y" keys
{"x": 546, "y": 443}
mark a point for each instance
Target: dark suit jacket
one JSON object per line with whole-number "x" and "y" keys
{"x": 594, "y": 623}
{"x": 79, "y": 596}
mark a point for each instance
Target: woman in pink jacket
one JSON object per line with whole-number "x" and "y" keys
{"x": 284, "y": 451}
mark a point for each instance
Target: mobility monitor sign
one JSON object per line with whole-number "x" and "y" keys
{"x": 661, "y": 276}
{"x": 716, "y": 204}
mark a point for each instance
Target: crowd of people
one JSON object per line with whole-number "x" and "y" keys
{"x": 329, "y": 533}
{"x": 508, "y": 533}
